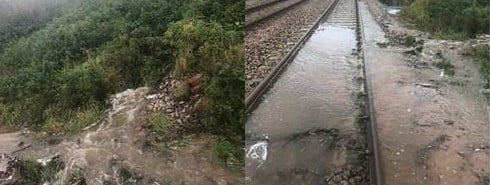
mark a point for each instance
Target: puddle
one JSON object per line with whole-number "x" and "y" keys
{"x": 423, "y": 124}
{"x": 309, "y": 113}
{"x": 393, "y": 10}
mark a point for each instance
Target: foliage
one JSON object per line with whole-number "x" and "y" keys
{"x": 396, "y": 2}
{"x": 59, "y": 75}
{"x": 444, "y": 64}
{"x": 450, "y": 19}
{"x": 159, "y": 123}
{"x": 23, "y": 18}
{"x": 95, "y": 48}
{"x": 74, "y": 121}
{"x": 33, "y": 173}
{"x": 481, "y": 54}
{"x": 229, "y": 152}
{"x": 207, "y": 47}
{"x": 214, "y": 46}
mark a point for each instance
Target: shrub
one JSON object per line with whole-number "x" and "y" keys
{"x": 207, "y": 47}
{"x": 93, "y": 49}
{"x": 449, "y": 19}
{"x": 229, "y": 152}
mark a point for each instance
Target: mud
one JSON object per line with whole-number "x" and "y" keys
{"x": 427, "y": 116}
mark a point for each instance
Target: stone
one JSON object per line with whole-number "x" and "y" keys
{"x": 419, "y": 48}
{"x": 196, "y": 80}
{"x": 449, "y": 122}
{"x": 182, "y": 91}
{"x": 196, "y": 89}
{"x": 199, "y": 106}
{"x": 411, "y": 51}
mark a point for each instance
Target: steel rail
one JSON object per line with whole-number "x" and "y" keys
{"x": 252, "y": 100}
{"x": 261, "y": 6}
{"x": 249, "y": 23}
{"x": 371, "y": 136}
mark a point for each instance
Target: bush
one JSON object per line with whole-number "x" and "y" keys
{"x": 229, "y": 152}
{"x": 449, "y": 19}
{"x": 481, "y": 53}
{"x": 207, "y": 47}
{"x": 32, "y": 172}
{"x": 91, "y": 50}
{"x": 59, "y": 77}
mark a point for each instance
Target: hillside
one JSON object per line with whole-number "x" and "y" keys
{"x": 62, "y": 62}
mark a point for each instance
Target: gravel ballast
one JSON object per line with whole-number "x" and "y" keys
{"x": 267, "y": 42}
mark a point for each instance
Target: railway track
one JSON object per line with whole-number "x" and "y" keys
{"x": 255, "y": 97}
{"x": 371, "y": 135}
{"x": 268, "y": 9}
{"x": 252, "y": 100}
{"x": 260, "y": 5}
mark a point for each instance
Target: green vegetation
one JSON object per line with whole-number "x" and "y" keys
{"x": 159, "y": 123}
{"x": 482, "y": 55}
{"x": 229, "y": 152}
{"x": 450, "y": 19}
{"x": 21, "y": 18}
{"x": 443, "y": 63}
{"x": 33, "y": 173}
{"x": 58, "y": 71}
{"x": 454, "y": 19}
{"x": 396, "y": 2}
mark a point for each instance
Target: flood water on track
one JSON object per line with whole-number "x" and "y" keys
{"x": 309, "y": 114}
{"x": 427, "y": 136}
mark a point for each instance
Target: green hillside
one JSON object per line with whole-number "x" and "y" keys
{"x": 63, "y": 67}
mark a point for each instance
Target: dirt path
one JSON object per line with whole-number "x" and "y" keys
{"x": 432, "y": 126}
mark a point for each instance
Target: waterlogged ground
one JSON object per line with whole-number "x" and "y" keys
{"x": 105, "y": 152}
{"x": 432, "y": 126}
{"x": 305, "y": 129}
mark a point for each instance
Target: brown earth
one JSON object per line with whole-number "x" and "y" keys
{"x": 433, "y": 127}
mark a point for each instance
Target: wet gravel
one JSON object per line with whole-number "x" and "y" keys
{"x": 267, "y": 42}
{"x": 179, "y": 113}
{"x": 350, "y": 175}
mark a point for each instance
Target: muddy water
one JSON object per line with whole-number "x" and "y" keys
{"x": 431, "y": 135}
{"x": 308, "y": 116}
{"x": 118, "y": 142}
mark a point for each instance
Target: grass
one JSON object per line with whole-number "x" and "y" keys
{"x": 159, "y": 123}
{"x": 481, "y": 54}
{"x": 451, "y": 35}
{"x": 160, "y": 134}
{"x": 482, "y": 57}
{"x": 228, "y": 152}
{"x": 33, "y": 173}
{"x": 444, "y": 64}
{"x": 78, "y": 119}
{"x": 447, "y": 66}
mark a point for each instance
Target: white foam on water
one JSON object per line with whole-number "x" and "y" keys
{"x": 393, "y": 11}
